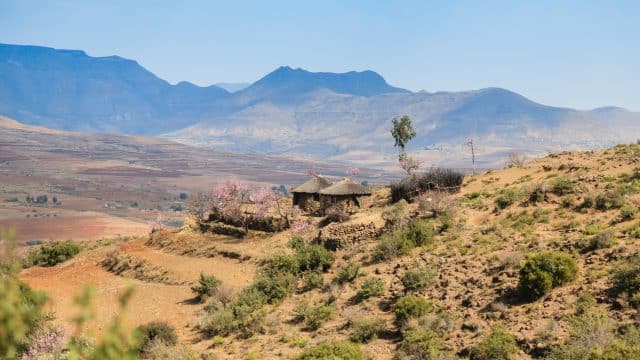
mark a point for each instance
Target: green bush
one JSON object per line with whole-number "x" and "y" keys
{"x": 391, "y": 246}
{"x": 275, "y": 287}
{"x": 608, "y": 200}
{"x": 52, "y": 254}
{"x": 314, "y": 257}
{"x": 499, "y": 344}
{"x": 627, "y": 212}
{"x": 348, "y": 273}
{"x": 395, "y": 214}
{"x": 336, "y": 350}
{"x": 313, "y": 317}
{"x": 157, "y": 331}
{"x": 507, "y": 197}
{"x": 364, "y": 330}
{"x": 625, "y": 280}
{"x": 410, "y": 307}
{"x": 282, "y": 264}
{"x": 419, "y": 232}
{"x": 602, "y": 240}
{"x": 21, "y": 314}
{"x": 562, "y": 186}
{"x": 400, "y": 242}
{"x": 312, "y": 280}
{"x": 418, "y": 279}
{"x": 370, "y": 287}
{"x": 420, "y": 343}
{"x": 207, "y": 285}
{"x": 543, "y": 271}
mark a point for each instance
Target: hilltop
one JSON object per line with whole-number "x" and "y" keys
{"x": 459, "y": 256}
{"x": 320, "y": 115}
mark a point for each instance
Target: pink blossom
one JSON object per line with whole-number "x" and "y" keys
{"x": 409, "y": 164}
{"x": 157, "y": 223}
{"x": 352, "y": 171}
{"x": 301, "y": 227}
{"x": 263, "y": 200}
{"x": 44, "y": 343}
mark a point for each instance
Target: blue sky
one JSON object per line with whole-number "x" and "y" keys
{"x": 581, "y": 54}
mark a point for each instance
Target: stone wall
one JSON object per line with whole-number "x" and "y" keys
{"x": 337, "y": 235}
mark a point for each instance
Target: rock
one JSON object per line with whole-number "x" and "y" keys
{"x": 469, "y": 326}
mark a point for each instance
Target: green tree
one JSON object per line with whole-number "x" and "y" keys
{"x": 402, "y": 131}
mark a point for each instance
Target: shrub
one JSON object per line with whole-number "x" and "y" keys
{"x": 332, "y": 350}
{"x": 608, "y": 200}
{"x": 507, "y": 197}
{"x": 312, "y": 280}
{"x": 282, "y": 264}
{"x": 567, "y": 201}
{"x": 402, "y": 241}
{"x": 537, "y": 194}
{"x": 601, "y": 240}
{"x": 52, "y": 254}
{"x": 314, "y": 257}
{"x": 363, "y": 330}
{"x": 419, "y": 232}
{"x": 394, "y": 214}
{"x": 627, "y": 212}
{"x": 590, "y": 337}
{"x": 313, "y": 317}
{"x": 420, "y": 343}
{"x": 563, "y": 186}
{"x": 418, "y": 279}
{"x": 157, "y": 331}
{"x": 370, "y": 287}
{"x": 275, "y": 287}
{"x": 543, "y": 271}
{"x": 409, "y": 307}
{"x": 625, "y": 280}
{"x": 499, "y": 344}
{"x": 437, "y": 202}
{"x": 515, "y": 160}
{"x": 437, "y": 179}
{"x": 207, "y": 285}
{"x": 348, "y": 273}
{"x": 391, "y": 246}
{"x": 21, "y": 314}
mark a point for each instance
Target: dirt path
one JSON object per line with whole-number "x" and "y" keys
{"x": 233, "y": 273}
{"x": 151, "y": 301}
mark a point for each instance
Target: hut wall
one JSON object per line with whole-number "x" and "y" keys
{"x": 342, "y": 203}
{"x": 306, "y": 202}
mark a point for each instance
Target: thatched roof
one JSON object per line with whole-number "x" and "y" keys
{"x": 346, "y": 187}
{"x": 312, "y": 186}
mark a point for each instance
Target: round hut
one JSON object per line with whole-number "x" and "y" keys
{"x": 343, "y": 196}
{"x": 307, "y": 195}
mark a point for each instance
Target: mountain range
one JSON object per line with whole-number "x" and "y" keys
{"x": 338, "y": 117}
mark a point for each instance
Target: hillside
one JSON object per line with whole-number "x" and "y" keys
{"x": 319, "y": 115}
{"x": 463, "y": 276}
{"x": 116, "y": 184}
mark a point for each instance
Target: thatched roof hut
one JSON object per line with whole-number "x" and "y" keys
{"x": 312, "y": 186}
{"x": 343, "y": 196}
{"x": 346, "y": 187}
{"x": 307, "y": 195}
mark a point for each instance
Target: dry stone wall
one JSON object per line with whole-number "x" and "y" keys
{"x": 337, "y": 235}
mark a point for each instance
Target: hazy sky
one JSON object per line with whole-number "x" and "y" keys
{"x": 581, "y": 54}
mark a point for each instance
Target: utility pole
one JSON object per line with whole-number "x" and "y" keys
{"x": 469, "y": 143}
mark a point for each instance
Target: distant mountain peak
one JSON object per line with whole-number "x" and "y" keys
{"x": 286, "y": 83}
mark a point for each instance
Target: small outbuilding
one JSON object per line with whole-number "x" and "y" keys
{"x": 307, "y": 195}
{"x": 344, "y": 196}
